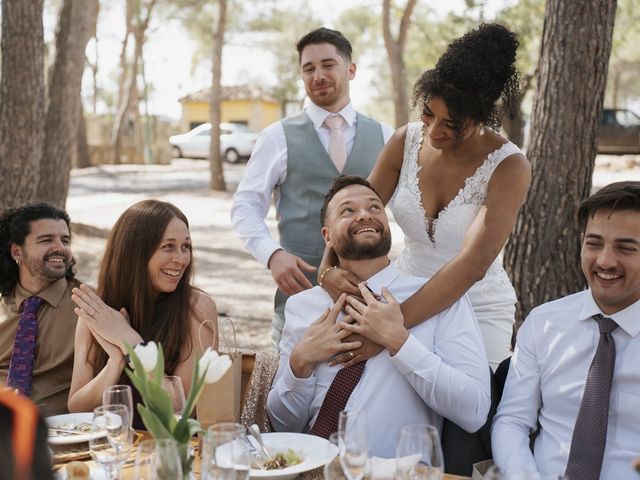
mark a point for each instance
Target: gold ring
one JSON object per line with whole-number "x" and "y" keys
{"x": 351, "y": 354}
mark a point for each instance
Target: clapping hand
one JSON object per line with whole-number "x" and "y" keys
{"x": 106, "y": 324}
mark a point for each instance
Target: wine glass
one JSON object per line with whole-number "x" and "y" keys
{"x": 111, "y": 438}
{"x": 419, "y": 454}
{"x": 353, "y": 444}
{"x": 225, "y": 454}
{"x": 158, "y": 459}
{"x": 172, "y": 384}
{"x": 119, "y": 395}
{"x": 333, "y": 469}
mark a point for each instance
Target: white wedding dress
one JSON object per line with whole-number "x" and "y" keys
{"x": 431, "y": 243}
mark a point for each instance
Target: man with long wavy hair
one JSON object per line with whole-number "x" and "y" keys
{"x": 36, "y": 311}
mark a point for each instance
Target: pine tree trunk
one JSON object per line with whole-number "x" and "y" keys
{"x": 395, "y": 52}
{"x": 76, "y": 25}
{"x": 130, "y": 91}
{"x": 215, "y": 158}
{"x": 83, "y": 156}
{"x": 513, "y": 125}
{"x": 22, "y": 100}
{"x": 542, "y": 257}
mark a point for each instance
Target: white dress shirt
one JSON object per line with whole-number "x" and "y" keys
{"x": 546, "y": 380}
{"x": 442, "y": 364}
{"x": 267, "y": 168}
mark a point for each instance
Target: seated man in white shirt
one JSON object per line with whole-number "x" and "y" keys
{"x": 564, "y": 374}
{"x": 434, "y": 370}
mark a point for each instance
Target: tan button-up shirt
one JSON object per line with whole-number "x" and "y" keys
{"x": 53, "y": 363}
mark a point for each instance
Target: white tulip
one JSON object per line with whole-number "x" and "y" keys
{"x": 148, "y": 355}
{"x": 215, "y": 365}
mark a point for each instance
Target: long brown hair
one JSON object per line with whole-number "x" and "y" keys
{"x": 124, "y": 282}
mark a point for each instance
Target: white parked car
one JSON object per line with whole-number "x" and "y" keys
{"x": 236, "y": 142}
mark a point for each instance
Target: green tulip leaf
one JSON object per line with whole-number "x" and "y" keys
{"x": 153, "y": 423}
{"x": 159, "y": 402}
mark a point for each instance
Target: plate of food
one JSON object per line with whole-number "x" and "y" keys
{"x": 71, "y": 428}
{"x": 293, "y": 454}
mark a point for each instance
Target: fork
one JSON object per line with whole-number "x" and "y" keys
{"x": 256, "y": 457}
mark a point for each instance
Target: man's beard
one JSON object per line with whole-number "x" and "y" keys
{"x": 350, "y": 249}
{"x": 39, "y": 269}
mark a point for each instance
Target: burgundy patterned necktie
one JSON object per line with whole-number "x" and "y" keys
{"x": 590, "y": 432}
{"x": 336, "y": 399}
{"x": 24, "y": 346}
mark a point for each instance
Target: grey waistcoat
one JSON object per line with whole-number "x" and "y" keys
{"x": 310, "y": 173}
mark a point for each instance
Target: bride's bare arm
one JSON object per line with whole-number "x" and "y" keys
{"x": 386, "y": 172}
{"x": 485, "y": 238}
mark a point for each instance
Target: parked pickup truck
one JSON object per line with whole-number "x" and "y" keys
{"x": 619, "y": 132}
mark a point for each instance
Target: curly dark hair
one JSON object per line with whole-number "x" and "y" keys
{"x": 474, "y": 72}
{"x": 326, "y": 35}
{"x": 15, "y": 225}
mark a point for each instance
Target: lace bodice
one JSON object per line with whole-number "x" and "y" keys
{"x": 431, "y": 243}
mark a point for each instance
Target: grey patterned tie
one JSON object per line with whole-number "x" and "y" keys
{"x": 590, "y": 432}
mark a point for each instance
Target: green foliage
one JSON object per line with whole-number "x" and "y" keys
{"x": 623, "y": 81}
{"x": 153, "y": 423}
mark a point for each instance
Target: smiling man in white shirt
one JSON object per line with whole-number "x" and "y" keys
{"x": 295, "y": 161}
{"x": 436, "y": 369}
{"x": 560, "y": 373}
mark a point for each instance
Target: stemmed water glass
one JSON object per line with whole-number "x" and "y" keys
{"x": 109, "y": 445}
{"x": 353, "y": 443}
{"x": 419, "y": 454}
{"x": 158, "y": 459}
{"x": 225, "y": 453}
{"x": 333, "y": 469}
{"x": 172, "y": 384}
{"x": 119, "y": 395}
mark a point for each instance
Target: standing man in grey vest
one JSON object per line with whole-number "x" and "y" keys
{"x": 295, "y": 161}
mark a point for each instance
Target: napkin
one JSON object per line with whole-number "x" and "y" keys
{"x": 385, "y": 468}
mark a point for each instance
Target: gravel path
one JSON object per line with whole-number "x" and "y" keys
{"x": 242, "y": 289}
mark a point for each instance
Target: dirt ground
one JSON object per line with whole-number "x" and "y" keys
{"x": 241, "y": 287}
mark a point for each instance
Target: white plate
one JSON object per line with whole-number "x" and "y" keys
{"x": 316, "y": 452}
{"x": 57, "y": 420}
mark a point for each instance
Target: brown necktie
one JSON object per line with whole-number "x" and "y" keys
{"x": 337, "y": 148}
{"x": 590, "y": 432}
{"x": 336, "y": 399}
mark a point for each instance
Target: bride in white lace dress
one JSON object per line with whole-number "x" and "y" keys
{"x": 457, "y": 186}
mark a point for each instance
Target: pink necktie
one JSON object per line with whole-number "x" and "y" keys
{"x": 336, "y": 399}
{"x": 337, "y": 148}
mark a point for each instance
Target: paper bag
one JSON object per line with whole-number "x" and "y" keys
{"x": 220, "y": 401}
{"x": 480, "y": 468}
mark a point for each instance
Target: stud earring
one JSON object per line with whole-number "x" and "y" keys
{"x": 481, "y": 129}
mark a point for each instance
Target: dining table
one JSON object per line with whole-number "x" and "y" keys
{"x": 127, "y": 472}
